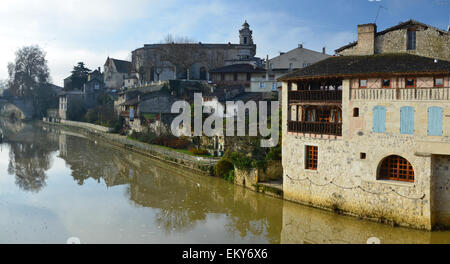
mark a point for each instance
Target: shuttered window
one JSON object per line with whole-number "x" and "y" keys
{"x": 379, "y": 119}
{"x": 435, "y": 121}
{"x": 407, "y": 120}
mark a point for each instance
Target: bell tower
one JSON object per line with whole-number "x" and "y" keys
{"x": 245, "y": 34}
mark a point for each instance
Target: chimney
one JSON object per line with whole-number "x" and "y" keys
{"x": 366, "y": 39}
{"x": 323, "y": 50}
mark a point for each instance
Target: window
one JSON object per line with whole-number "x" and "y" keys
{"x": 439, "y": 82}
{"x": 291, "y": 65}
{"x": 245, "y": 40}
{"x": 363, "y": 83}
{"x": 379, "y": 119}
{"x": 271, "y": 77}
{"x": 355, "y": 112}
{"x": 262, "y": 85}
{"x": 435, "y": 121}
{"x": 222, "y": 76}
{"x": 386, "y": 83}
{"x": 411, "y": 39}
{"x": 410, "y": 82}
{"x": 306, "y": 64}
{"x": 235, "y": 76}
{"x": 271, "y": 65}
{"x": 407, "y": 120}
{"x": 396, "y": 168}
{"x": 311, "y": 157}
{"x": 249, "y": 76}
{"x": 362, "y": 155}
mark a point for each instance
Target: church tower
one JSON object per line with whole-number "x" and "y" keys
{"x": 245, "y": 34}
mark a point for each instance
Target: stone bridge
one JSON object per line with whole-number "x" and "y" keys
{"x": 16, "y": 108}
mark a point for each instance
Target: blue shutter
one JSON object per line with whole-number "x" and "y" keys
{"x": 435, "y": 121}
{"x": 379, "y": 119}
{"x": 407, "y": 120}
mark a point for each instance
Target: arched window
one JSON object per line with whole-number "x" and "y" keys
{"x": 396, "y": 168}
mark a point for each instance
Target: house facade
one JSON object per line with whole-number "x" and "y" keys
{"x": 115, "y": 72}
{"x": 370, "y": 136}
{"x": 286, "y": 62}
{"x": 411, "y": 37}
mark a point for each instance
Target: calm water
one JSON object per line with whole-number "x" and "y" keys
{"x": 56, "y": 184}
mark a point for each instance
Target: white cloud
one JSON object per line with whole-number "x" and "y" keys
{"x": 89, "y": 31}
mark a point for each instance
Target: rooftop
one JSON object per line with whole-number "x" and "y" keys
{"x": 376, "y": 65}
{"x": 244, "y": 67}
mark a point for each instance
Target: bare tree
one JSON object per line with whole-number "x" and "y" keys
{"x": 183, "y": 52}
{"x": 29, "y": 77}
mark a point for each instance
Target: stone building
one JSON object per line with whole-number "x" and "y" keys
{"x": 411, "y": 36}
{"x": 286, "y": 62}
{"x": 370, "y": 136}
{"x": 115, "y": 72}
{"x": 193, "y": 61}
{"x": 236, "y": 75}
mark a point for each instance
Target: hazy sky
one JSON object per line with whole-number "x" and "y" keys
{"x": 81, "y": 30}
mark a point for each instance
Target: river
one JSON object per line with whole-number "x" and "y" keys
{"x": 56, "y": 185}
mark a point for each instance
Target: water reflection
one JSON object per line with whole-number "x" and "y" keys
{"x": 29, "y": 156}
{"x": 124, "y": 196}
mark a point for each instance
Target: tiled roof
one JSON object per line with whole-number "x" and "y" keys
{"x": 380, "y": 64}
{"x": 237, "y": 68}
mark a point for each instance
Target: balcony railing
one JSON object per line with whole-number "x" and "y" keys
{"x": 323, "y": 128}
{"x": 407, "y": 94}
{"x": 315, "y": 96}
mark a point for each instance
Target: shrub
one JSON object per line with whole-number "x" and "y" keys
{"x": 199, "y": 151}
{"x": 229, "y": 176}
{"x": 274, "y": 153}
{"x": 223, "y": 167}
{"x": 241, "y": 161}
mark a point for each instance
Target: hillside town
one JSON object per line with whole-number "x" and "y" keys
{"x": 364, "y": 129}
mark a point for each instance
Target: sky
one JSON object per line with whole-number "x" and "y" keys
{"x": 70, "y": 31}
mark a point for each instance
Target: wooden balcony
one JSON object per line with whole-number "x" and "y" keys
{"x": 322, "y": 128}
{"x": 315, "y": 96}
{"x": 401, "y": 94}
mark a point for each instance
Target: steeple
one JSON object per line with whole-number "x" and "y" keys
{"x": 245, "y": 34}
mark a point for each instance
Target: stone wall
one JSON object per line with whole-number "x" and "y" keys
{"x": 429, "y": 43}
{"x": 86, "y": 126}
{"x": 441, "y": 186}
{"x": 250, "y": 178}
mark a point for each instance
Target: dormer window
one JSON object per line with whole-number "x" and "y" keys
{"x": 439, "y": 82}
{"x": 411, "y": 39}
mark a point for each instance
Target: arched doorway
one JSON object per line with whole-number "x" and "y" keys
{"x": 396, "y": 168}
{"x": 203, "y": 73}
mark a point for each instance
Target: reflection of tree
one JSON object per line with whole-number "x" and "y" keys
{"x": 30, "y": 157}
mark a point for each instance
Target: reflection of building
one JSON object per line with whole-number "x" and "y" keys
{"x": 369, "y": 135}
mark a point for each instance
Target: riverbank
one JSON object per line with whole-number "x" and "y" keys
{"x": 203, "y": 165}
{"x": 198, "y": 164}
